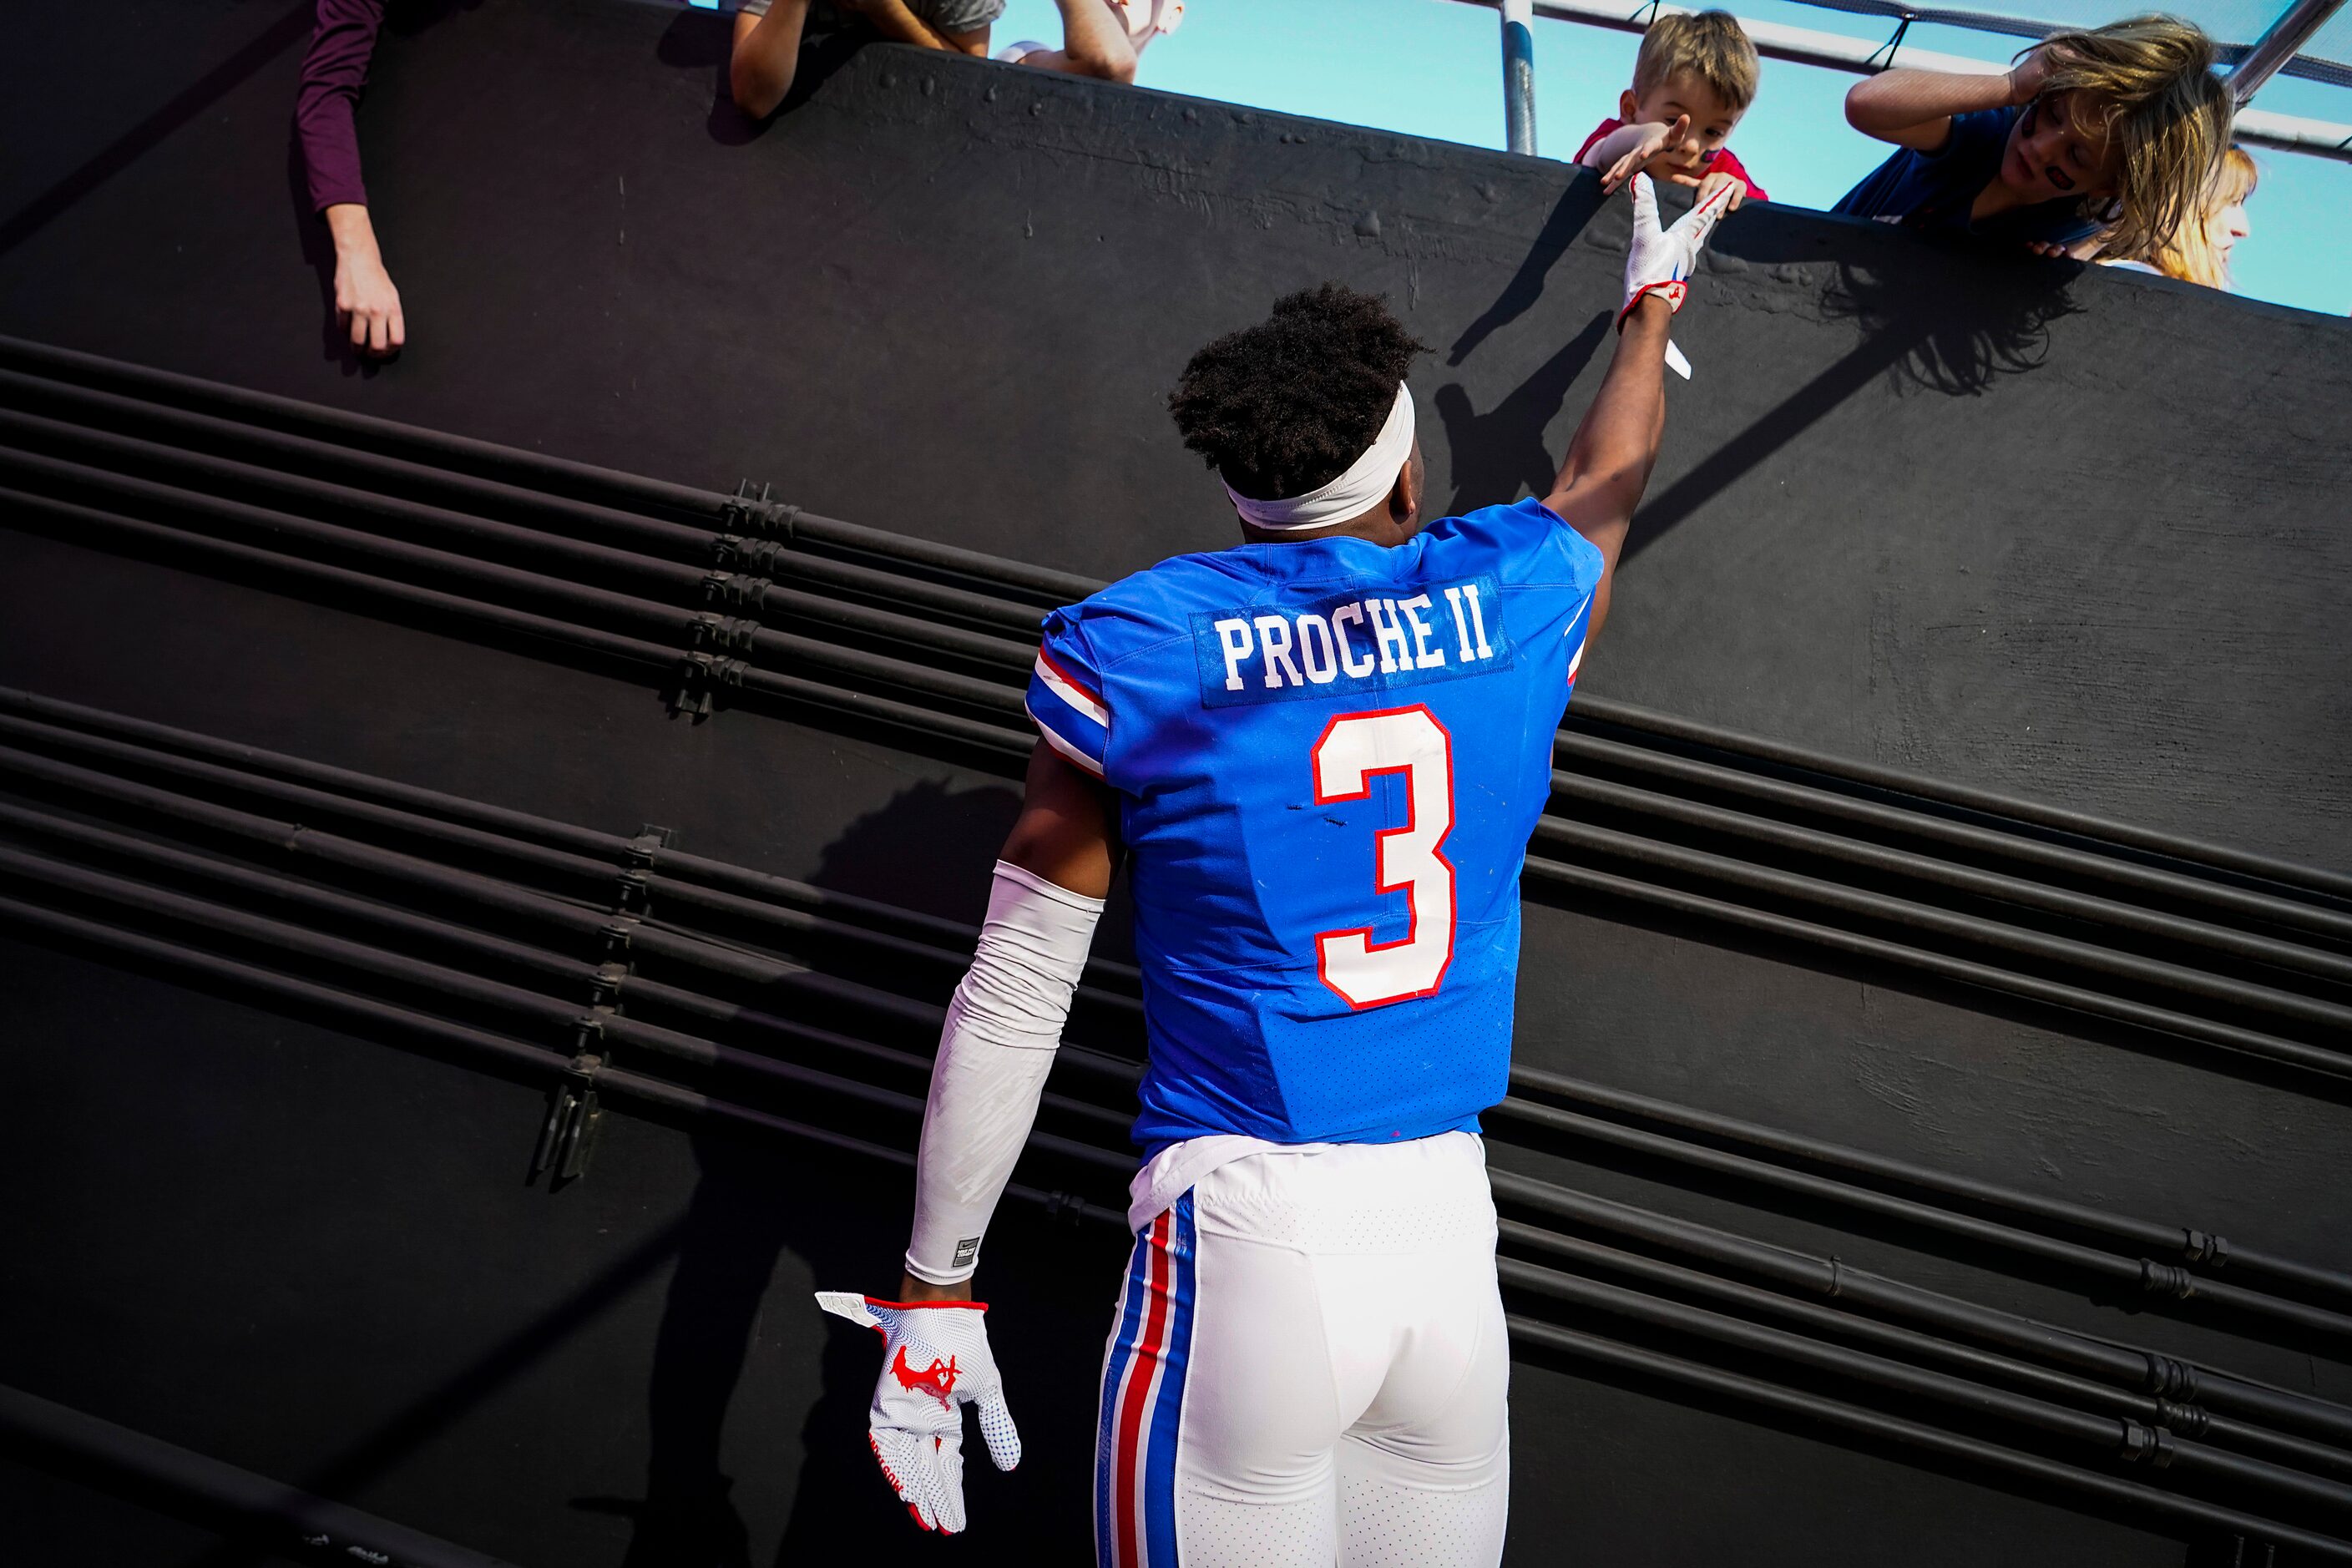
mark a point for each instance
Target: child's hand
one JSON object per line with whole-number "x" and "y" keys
{"x": 2027, "y": 76}
{"x": 1716, "y": 182}
{"x": 1656, "y": 140}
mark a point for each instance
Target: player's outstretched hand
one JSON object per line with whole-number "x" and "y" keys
{"x": 934, "y": 1360}
{"x": 1659, "y": 262}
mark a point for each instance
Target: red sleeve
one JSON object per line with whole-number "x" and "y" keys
{"x": 332, "y": 74}
{"x": 1729, "y": 164}
{"x": 1603, "y": 129}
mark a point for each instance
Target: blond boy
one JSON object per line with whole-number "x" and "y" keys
{"x": 1694, "y": 78}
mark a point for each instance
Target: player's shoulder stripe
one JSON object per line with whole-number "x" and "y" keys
{"x": 1065, "y": 684}
{"x": 1069, "y": 749}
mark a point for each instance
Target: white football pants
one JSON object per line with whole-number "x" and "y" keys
{"x": 1309, "y": 1367}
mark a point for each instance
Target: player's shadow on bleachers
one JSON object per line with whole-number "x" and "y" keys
{"x": 844, "y": 1219}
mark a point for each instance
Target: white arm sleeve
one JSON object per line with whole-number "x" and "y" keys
{"x": 1001, "y": 1031}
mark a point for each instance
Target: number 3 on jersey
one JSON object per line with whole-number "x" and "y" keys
{"x": 1352, "y": 749}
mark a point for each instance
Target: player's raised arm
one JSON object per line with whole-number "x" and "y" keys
{"x": 1609, "y": 462}
{"x": 995, "y": 1049}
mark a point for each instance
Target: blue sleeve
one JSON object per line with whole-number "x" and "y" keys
{"x": 1065, "y": 693}
{"x": 1975, "y": 138}
{"x": 1911, "y": 180}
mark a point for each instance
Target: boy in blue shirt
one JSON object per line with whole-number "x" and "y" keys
{"x": 2113, "y": 132}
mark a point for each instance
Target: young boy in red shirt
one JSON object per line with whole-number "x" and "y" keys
{"x": 1694, "y": 78}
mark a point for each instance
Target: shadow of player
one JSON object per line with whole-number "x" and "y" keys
{"x": 929, "y": 848}
{"x": 1576, "y": 206}
{"x": 1499, "y": 454}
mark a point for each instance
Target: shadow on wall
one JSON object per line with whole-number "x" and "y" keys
{"x": 429, "y": 1416}
{"x": 931, "y": 849}
{"x": 1958, "y": 347}
{"x": 1992, "y": 321}
{"x": 198, "y": 98}
{"x": 1916, "y": 336}
{"x": 1576, "y": 207}
{"x": 1500, "y": 453}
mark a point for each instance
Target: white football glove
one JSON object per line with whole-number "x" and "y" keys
{"x": 934, "y": 1360}
{"x": 1660, "y": 261}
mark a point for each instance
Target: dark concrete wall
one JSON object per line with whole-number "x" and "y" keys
{"x": 1981, "y": 520}
{"x": 2076, "y": 536}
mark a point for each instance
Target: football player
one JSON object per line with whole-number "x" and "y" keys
{"x": 1322, "y": 753}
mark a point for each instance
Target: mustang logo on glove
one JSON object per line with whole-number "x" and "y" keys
{"x": 916, "y": 1423}
{"x": 938, "y": 1377}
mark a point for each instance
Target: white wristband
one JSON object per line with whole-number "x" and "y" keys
{"x": 1001, "y": 1031}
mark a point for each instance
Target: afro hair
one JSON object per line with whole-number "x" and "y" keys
{"x": 1284, "y": 407}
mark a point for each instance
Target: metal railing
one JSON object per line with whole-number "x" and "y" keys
{"x": 1861, "y": 57}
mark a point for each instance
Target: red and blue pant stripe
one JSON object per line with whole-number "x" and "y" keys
{"x": 1143, "y": 1399}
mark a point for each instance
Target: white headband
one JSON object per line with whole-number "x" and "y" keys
{"x": 1368, "y": 479}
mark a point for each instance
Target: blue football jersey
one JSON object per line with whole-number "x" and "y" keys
{"x": 1327, "y": 755}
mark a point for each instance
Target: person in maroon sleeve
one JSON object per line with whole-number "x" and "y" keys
{"x": 1696, "y": 76}
{"x": 332, "y": 74}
